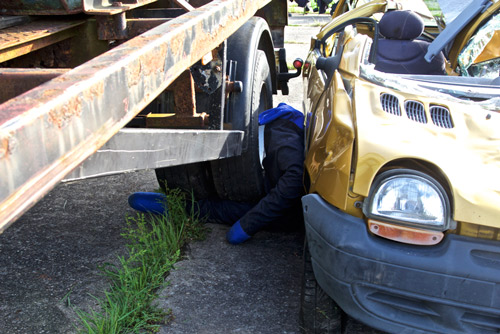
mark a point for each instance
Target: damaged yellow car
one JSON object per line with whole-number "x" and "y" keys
{"x": 402, "y": 165}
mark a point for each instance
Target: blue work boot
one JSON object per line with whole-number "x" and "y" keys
{"x": 148, "y": 202}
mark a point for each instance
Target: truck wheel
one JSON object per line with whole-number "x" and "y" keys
{"x": 318, "y": 312}
{"x": 195, "y": 178}
{"x": 241, "y": 178}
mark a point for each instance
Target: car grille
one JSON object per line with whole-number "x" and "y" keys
{"x": 390, "y": 104}
{"x": 441, "y": 117}
{"x": 415, "y": 111}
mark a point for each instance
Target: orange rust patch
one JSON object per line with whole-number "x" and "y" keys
{"x": 141, "y": 40}
{"x": 61, "y": 117}
{"x": 4, "y": 147}
{"x": 150, "y": 65}
{"x": 97, "y": 90}
{"x": 133, "y": 73}
{"x": 48, "y": 93}
{"x": 177, "y": 43}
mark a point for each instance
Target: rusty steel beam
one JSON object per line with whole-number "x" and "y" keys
{"x": 16, "y": 81}
{"x": 48, "y": 131}
{"x": 20, "y": 40}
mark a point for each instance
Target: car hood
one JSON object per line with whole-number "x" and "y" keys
{"x": 466, "y": 154}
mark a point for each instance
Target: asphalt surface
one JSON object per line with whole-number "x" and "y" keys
{"x": 49, "y": 257}
{"x": 54, "y": 250}
{"x": 250, "y": 288}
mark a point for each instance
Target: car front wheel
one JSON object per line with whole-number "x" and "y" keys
{"x": 319, "y": 314}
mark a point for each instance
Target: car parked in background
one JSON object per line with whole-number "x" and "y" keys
{"x": 402, "y": 215}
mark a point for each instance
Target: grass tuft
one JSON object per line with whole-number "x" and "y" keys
{"x": 154, "y": 243}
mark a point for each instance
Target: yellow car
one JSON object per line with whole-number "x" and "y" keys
{"x": 402, "y": 168}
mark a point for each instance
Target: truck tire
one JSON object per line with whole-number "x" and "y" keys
{"x": 192, "y": 178}
{"x": 319, "y": 314}
{"x": 241, "y": 178}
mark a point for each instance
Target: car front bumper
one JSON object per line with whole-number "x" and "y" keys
{"x": 452, "y": 287}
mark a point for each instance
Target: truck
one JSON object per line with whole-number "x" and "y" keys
{"x": 93, "y": 88}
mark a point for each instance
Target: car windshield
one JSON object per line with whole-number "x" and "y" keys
{"x": 454, "y": 27}
{"x": 452, "y": 8}
{"x": 481, "y": 55}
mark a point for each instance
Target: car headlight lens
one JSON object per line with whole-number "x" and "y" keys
{"x": 410, "y": 198}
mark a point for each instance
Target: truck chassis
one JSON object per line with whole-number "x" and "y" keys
{"x": 107, "y": 67}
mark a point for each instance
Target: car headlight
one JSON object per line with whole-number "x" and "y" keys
{"x": 408, "y": 197}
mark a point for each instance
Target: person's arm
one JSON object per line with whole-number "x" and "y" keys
{"x": 284, "y": 142}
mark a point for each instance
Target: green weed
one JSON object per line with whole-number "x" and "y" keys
{"x": 153, "y": 246}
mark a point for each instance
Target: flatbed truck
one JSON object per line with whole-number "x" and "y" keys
{"x": 92, "y": 88}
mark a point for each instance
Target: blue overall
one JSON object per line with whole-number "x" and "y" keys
{"x": 283, "y": 167}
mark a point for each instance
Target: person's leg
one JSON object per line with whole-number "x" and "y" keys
{"x": 214, "y": 210}
{"x": 221, "y": 211}
{"x": 321, "y": 7}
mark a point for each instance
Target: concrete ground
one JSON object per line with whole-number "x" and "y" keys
{"x": 49, "y": 257}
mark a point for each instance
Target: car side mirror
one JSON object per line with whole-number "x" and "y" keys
{"x": 329, "y": 65}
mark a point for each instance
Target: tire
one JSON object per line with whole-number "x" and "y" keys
{"x": 241, "y": 178}
{"x": 319, "y": 314}
{"x": 193, "y": 178}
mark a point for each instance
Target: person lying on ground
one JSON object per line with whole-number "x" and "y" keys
{"x": 283, "y": 169}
